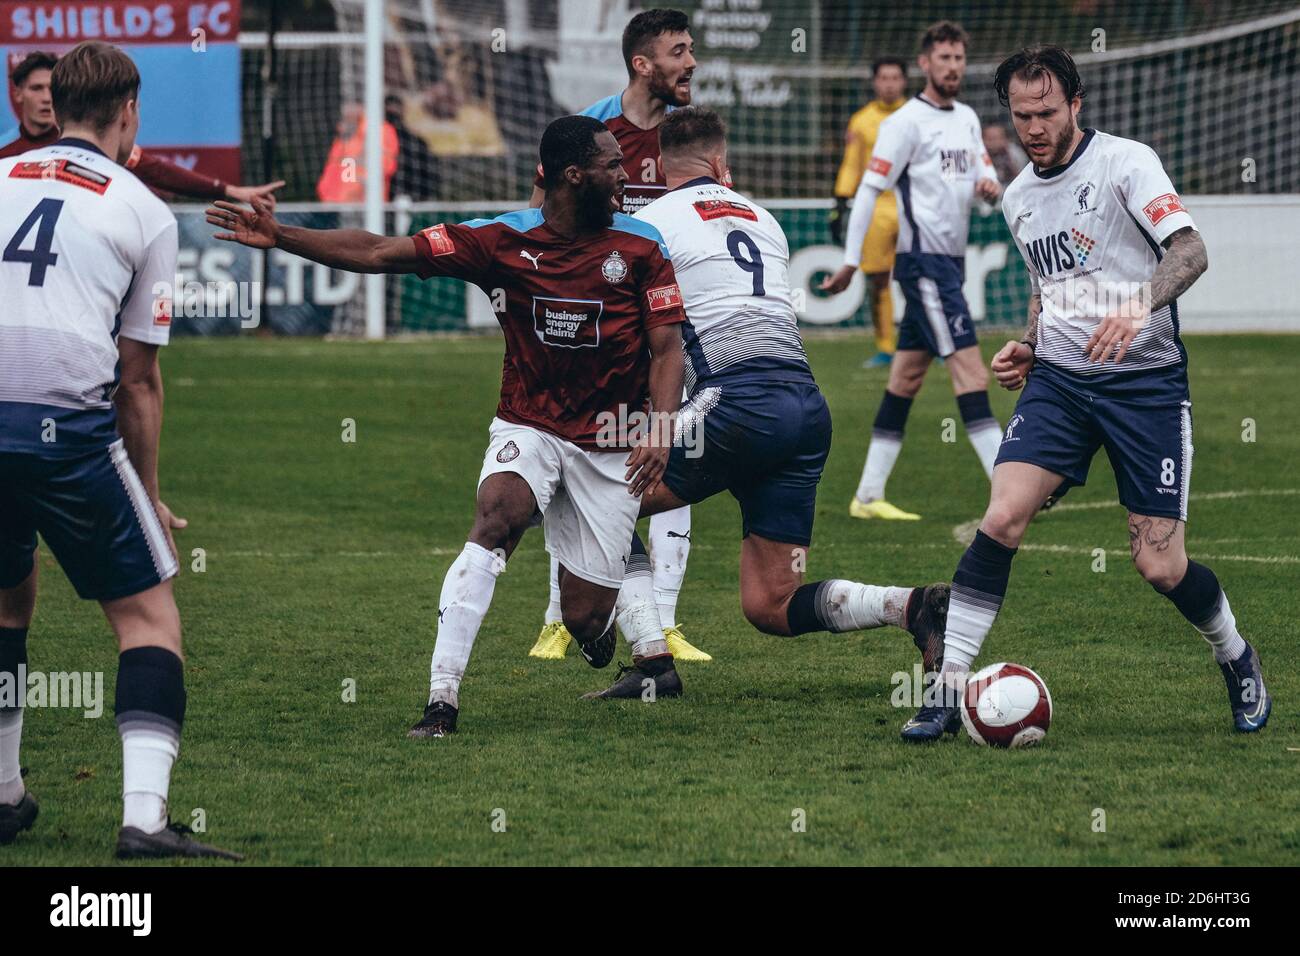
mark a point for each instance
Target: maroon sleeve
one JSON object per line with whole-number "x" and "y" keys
{"x": 661, "y": 302}
{"x": 457, "y": 250}
{"x": 157, "y": 173}
{"x": 14, "y": 148}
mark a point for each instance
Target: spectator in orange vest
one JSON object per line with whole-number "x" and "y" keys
{"x": 344, "y": 176}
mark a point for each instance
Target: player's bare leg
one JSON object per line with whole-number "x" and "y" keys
{"x": 970, "y": 383}
{"x": 1160, "y": 556}
{"x": 906, "y": 376}
{"x": 504, "y": 509}
{"x": 18, "y": 808}
{"x": 978, "y": 588}
{"x": 775, "y": 599}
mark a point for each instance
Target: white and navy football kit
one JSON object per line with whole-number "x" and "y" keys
{"x": 1091, "y": 234}
{"x": 85, "y": 249}
{"x": 931, "y": 156}
{"x": 764, "y": 424}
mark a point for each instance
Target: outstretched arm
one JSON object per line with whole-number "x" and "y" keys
{"x": 354, "y": 250}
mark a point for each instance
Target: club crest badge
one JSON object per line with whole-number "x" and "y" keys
{"x": 615, "y": 268}
{"x": 509, "y": 453}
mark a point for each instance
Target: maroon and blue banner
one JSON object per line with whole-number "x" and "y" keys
{"x": 188, "y": 57}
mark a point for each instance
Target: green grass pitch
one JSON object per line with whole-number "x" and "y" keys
{"x": 324, "y": 561}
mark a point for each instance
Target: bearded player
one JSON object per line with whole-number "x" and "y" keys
{"x": 931, "y": 153}
{"x": 756, "y": 425}
{"x": 1109, "y": 248}
{"x": 592, "y": 323}
{"x": 658, "y": 53}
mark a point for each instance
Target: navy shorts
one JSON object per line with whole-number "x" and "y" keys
{"x": 765, "y": 442}
{"x": 1143, "y": 421}
{"x": 95, "y": 515}
{"x": 936, "y": 318}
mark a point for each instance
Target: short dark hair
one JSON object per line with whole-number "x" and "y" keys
{"x": 883, "y": 61}
{"x": 1039, "y": 61}
{"x": 36, "y": 60}
{"x": 690, "y": 126}
{"x": 945, "y": 31}
{"x": 646, "y": 26}
{"x": 92, "y": 83}
{"x": 568, "y": 141}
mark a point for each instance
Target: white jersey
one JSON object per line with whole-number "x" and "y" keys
{"x": 732, "y": 262}
{"x": 86, "y": 248}
{"x": 1090, "y": 233}
{"x": 931, "y": 156}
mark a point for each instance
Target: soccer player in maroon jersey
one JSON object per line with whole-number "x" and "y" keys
{"x": 37, "y": 127}
{"x": 592, "y": 320}
{"x": 660, "y": 58}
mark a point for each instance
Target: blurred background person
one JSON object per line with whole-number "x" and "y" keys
{"x": 1008, "y": 158}
{"x": 344, "y": 177}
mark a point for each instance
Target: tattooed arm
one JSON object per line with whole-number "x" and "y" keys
{"x": 1184, "y": 261}
{"x": 1031, "y": 330}
{"x": 1014, "y": 360}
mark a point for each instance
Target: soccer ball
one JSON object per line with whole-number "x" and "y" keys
{"x": 1006, "y": 705}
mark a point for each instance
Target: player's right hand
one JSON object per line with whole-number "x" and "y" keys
{"x": 837, "y": 283}
{"x": 1012, "y": 364}
{"x": 645, "y": 466}
{"x": 169, "y": 521}
{"x": 254, "y": 227}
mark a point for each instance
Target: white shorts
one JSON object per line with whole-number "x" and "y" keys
{"x": 588, "y": 514}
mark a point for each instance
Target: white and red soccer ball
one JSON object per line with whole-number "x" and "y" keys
{"x": 1006, "y": 705}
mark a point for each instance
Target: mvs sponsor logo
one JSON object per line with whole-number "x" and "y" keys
{"x": 1051, "y": 254}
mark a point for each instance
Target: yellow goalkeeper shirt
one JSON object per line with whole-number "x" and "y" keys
{"x": 859, "y": 142}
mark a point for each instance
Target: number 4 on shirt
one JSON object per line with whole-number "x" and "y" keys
{"x": 40, "y": 258}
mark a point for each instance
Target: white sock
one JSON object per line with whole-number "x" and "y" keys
{"x": 553, "y": 613}
{"x": 969, "y": 620}
{"x": 1221, "y": 632}
{"x": 466, "y": 594}
{"x": 881, "y": 455}
{"x": 147, "y": 758}
{"x": 637, "y": 613}
{"x": 670, "y": 546}
{"x": 11, "y": 775}
{"x": 850, "y": 606}
{"x": 987, "y": 439}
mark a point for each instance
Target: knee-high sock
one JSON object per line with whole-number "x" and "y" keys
{"x": 13, "y": 690}
{"x": 1201, "y": 600}
{"x": 670, "y": 546}
{"x": 886, "y": 442}
{"x": 553, "y": 612}
{"x": 982, "y": 428}
{"x": 838, "y": 606}
{"x": 638, "y": 615}
{"x": 466, "y": 594}
{"x": 978, "y": 588}
{"x": 150, "y": 709}
{"x": 882, "y": 317}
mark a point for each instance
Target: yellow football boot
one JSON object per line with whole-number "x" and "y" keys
{"x": 552, "y": 643}
{"x": 681, "y": 648}
{"x": 879, "y": 509}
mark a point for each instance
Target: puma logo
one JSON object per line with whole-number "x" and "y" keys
{"x": 525, "y": 254}
{"x": 674, "y": 534}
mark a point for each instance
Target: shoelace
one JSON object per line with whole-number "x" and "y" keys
{"x": 623, "y": 669}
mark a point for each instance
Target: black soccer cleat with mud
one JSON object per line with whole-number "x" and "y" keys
{"x": 648, "y": 679}
{"x": 1249, "y": 699}
{"x": 17, "y": 817}
{"x": 175, "y": 839}
{"x": 439, "y": 720}
{"x": 926, "y": 618}
{"x": 600, "y": 652}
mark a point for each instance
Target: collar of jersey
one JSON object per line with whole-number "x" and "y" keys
{"x": 1055, "y": 171}
{"x": 697, "y": 181}
{"x": 79, "y": 144}
{"x": 932, "y": 105}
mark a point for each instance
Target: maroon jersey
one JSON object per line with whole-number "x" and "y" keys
{"x": 575, "y": 314}
{"x": 158, "y": 174}
{"x": 645, "y": 178}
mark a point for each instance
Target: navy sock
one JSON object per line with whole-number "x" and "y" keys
{"x": 804, "y": 613}
{"x": 13, "y": 655}
{"x": 891, "y": 418}
{"x": 1197, "y": 595}
{"x": 983, "y": 572}
{"x": 150, "y": 690}
{"x": 975, "y": 409}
